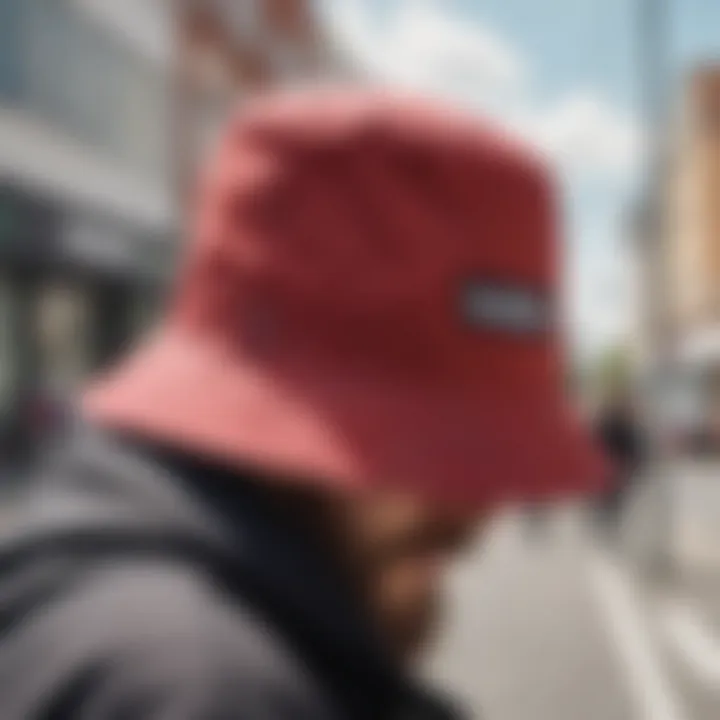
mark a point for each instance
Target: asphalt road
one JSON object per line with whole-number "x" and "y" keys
{"x": 556, "y": 626}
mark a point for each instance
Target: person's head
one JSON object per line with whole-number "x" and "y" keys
{"x": 370, "y": 298}
{"x": 395, "y": 548}
{"x": 403, "y": 548}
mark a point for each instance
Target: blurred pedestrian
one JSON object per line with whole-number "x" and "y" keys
{"x": 620, "y": 433}
{"x": 359, "y": 367}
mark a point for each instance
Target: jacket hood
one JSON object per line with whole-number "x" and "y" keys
{"x": 104, "y": 497}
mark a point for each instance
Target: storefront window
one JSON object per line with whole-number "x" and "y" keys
{"x": 63, "y": 325}
{"x": 8, "y": 350}
{"x": 82, "y": 77}
{"x": 147, "y": 306}
{"x": 11, "y": 48}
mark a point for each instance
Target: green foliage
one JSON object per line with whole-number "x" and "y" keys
{"x": 610, "y": 374}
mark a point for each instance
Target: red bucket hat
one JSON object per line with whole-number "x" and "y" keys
{"x": 369, "y": 302}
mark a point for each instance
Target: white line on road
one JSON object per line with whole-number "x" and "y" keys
{"x": 648, "y": 684}
{"x": 693, "y": 640}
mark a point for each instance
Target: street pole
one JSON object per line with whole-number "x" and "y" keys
{"x": 182, "y": 109}
{"x": 653, "y": 66}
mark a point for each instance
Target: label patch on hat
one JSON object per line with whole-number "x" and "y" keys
{"x": 505, "y": 307}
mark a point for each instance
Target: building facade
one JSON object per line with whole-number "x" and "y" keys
{"x": 106, "y": 110}
{"x": 86, "y": 223}
{"x": 693, "y": 244}
{"x": 694, "y": 221}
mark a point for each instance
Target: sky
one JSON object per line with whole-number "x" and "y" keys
{"x": 561, "y": 73}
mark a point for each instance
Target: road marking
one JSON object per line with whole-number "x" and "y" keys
{"x": 648, "y": 684}
{"x": 694, "y": 641}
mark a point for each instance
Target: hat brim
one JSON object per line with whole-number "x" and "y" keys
{"x": 350, "y": 434}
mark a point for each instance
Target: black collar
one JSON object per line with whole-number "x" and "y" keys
{"x": 296, "y": 584}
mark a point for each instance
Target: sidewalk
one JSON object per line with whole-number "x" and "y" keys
{"x": 525, "y": 639}
{"x": 694, "y": 488}
{"x": 697, "y": 506}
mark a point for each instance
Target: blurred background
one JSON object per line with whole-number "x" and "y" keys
{"x": 107, "y": 108}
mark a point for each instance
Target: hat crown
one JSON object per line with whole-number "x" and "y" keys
{"x": 350, "y": 226}
{"x": 368, "y": 303}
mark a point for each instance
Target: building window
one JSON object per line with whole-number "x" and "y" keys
{"x": 84, "y": 79}
{"x": 63, "y": 323}
{"x": 146, "y": 309}
{"x": 11, "y": 48}
{"x": 8, "y": 350}
{"x": 247, "y": 19}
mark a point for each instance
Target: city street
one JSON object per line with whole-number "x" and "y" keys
{"x": 550, "y": 626}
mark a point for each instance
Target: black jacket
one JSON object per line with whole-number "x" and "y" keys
{"x": 622, "y": 439}
{"x": 139, "y": 586}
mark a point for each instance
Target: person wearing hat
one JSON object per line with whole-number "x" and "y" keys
{"x": 358, "y": 367}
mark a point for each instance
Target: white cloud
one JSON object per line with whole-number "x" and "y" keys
{"x": 586, "y": 135}
{"x": 422, "y": 46}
